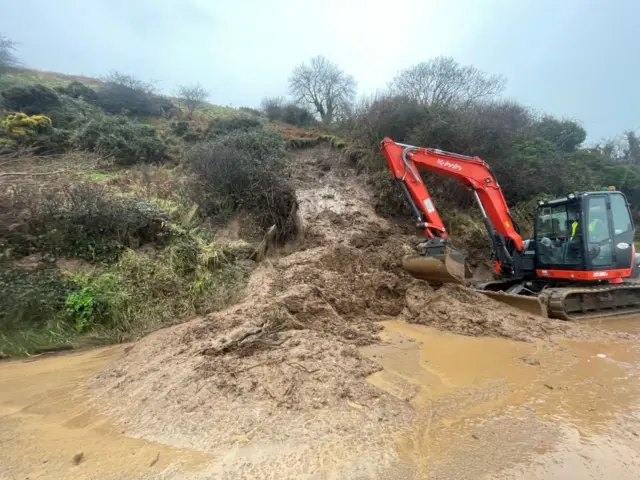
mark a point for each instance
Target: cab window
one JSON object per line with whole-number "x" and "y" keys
{"x": 620, "y": 212}
{"x": 597, "y": 220}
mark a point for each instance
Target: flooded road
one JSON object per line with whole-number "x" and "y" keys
{"x": 485, "y": 408}
{"x": 495, "y": 408}
{"x": 47, "y": 430}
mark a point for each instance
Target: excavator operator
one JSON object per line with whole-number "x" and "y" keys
{"x": 596, "y": 227}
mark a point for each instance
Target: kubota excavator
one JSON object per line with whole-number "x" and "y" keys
{"x": 579, "y": 264}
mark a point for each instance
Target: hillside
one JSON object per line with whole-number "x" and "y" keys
{"x": 116, "y": 201}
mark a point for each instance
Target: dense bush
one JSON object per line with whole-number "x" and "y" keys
{"x": 250, "y": 111}
{"x": 125, "y": 95}
{"x": 244, "y": 171}
{"x": 189, "y": 276}
{"x": 77, "y": 89}
{"x": 280, "y": 110}
{"x": 31, "y": 99}
{"x": 530, "y": 155}
{"x": 239, "y": 123}
{"x": 32, "y": 131}
{"x": 32, "y": 297}
{"x": 82, "y": 220}
{"x": 64, "y": 111}
{"x": 44, "y": 309}
{"x": 127, "y": 142}
{"x": 385, "y": 116}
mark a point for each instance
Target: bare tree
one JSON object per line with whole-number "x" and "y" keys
{"x": 322, "y": 86}
{"x": 130, "y": 82}
{"x": 192, "y": 96}
{"x": 8, "y": 58}
{"x": 443, "y": 81}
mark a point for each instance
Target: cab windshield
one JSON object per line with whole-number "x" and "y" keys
{"x": 558, "y": 235}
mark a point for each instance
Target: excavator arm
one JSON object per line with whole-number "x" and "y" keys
{"x": 404, "y": 162}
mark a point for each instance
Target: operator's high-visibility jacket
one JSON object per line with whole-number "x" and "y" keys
{"x": 592, "y": 226}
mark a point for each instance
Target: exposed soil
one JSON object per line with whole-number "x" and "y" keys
{"x": 461, "y": 310}
{"x": 283, "y": 364}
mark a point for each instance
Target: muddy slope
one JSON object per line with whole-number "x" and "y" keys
{"x": 283, "y": 365}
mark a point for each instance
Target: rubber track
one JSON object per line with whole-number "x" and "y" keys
{"x": 555, "y": 298}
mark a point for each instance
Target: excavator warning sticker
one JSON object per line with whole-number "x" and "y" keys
{"x": 428, "y": 204}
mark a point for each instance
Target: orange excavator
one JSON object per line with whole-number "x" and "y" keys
{"x": 579, "y": 264}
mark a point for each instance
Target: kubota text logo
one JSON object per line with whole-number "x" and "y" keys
{"x": 448, "y": 164}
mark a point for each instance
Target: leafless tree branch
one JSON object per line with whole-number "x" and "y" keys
{"x": 443, "y": 81}
{"x": 322, "y": 86}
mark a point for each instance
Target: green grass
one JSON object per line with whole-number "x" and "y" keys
{"x": 53, "y": 310}
{"x": 23, "y": 76}
{"x": 210, "y": 111}
{"x": 100, "y": 176}
{"x": 18, "y": 343}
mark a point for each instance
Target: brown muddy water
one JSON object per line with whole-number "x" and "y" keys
{"x": 485, "y": 408}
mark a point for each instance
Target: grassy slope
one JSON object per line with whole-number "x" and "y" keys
{"x": 25, "y": 76}
{"x": 196, "y": 292}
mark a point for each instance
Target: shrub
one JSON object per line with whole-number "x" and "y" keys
{"x": 82, "y": 220}
{"x": 125, "y": 95}
{"x": 140, "y": 291}
{"x": 128, "y": 142}
{"x": 263, "y": 143}
{"x": 63, "y": 110}
{"x": 21, "y": 125}
{"x": 32, "y": 131}
{"x": 295, "y": 115}
{"x": 223, "y": 126}
{"x": 77, "y": 89}
{"x": 250, "y": 111}
{"x": 179, "y": 128}
{"x": 31, "y": 297}
{"x": 278, "y": 109}
{"x": 30, "y": 99}
{"x": 388, "y": 198}
{"x": 244, "y": 171}
{"x": 189, "y": 131}
{"x": 191, "y": 96}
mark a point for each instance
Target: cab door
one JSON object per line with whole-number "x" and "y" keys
{"x": 608, "y": 231}
{"x": 598, "y": 232}
{"x": 623, "y": 231}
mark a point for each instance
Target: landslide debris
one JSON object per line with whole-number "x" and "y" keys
{"x": 283, "y": 364}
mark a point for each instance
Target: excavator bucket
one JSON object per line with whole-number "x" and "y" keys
{"x": 449, "y": 268}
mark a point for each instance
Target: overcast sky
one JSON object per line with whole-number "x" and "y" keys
{"x": 574, "y": 58}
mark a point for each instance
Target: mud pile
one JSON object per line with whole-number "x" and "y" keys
{"x": 283, "y": 364}
{"x": 461, "y": 310}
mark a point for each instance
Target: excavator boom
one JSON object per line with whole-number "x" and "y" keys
{"x": 472, "y": 172}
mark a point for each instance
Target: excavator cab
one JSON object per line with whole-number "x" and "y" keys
{"x": 583, "y": 236}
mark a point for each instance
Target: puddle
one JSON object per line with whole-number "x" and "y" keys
{"x": 485, "y": 408}
{"x": 48, "y": 431}
{"x": 488, "y": 404}
{"x": 626, "y": 323}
